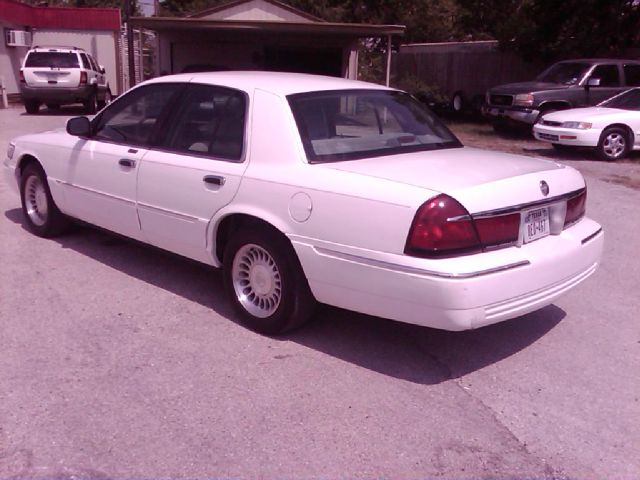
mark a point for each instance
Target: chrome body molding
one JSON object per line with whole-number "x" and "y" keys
{"x": 172, "y": 213}
{"x": 592, "y": 236}
{"x": 417, "y": 271}
{"x": 97, "y": 192}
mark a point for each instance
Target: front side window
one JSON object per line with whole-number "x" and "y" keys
{"x": 608, "y": 75}
{"x": 565, "y": 73}
{"x": 52, "y": 59}
{"x": 210, "y": 122}
{"x": 131, "y": 120}
{"x": 355, "y": 124}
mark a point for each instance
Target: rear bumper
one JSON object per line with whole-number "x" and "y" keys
{"x": 52, "y": 94}
{"x": 514, "y": 114}
{"x": 503, "y": 284}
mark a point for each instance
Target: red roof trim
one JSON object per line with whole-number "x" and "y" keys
{"x": 70, "y": 18}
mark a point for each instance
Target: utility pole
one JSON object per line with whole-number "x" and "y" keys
{"x": 130, "y": 56}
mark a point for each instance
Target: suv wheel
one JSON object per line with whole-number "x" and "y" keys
{"x": 613, "y": 144}
{"x": 106, "y": 100}
{"x": 91, "y": 104}
{"x": 31, "y": 106}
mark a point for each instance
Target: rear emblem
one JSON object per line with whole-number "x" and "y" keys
{"x": 544, "y": 188}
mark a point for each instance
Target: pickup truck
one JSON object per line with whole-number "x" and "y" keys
{"x": 566, "y": 84}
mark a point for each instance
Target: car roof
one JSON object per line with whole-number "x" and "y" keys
{"x": 281, "y": 83}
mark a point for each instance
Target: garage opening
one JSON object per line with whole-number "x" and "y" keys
{"x": 326, "y": 61}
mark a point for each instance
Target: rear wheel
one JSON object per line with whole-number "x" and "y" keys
{"x": 31, "y": 106}
{"x": 265, "y": 282}
{"x": 613, "y": 144}
{"x": 40, "y": 211}
{"x": 91, "y": 104}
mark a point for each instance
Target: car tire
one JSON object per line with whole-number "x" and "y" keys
{"x": 265, "y": 282}
{"x": 31, "y": 106}
{"x": 91, "y": 104}
{"x": 106, "y": 100}
{"x": 42, "y": 216}
{"x": 614, "y": 144}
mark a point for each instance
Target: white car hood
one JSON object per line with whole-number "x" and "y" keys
{"x": 446, "y": 170}
{"x": 590, "y": 114}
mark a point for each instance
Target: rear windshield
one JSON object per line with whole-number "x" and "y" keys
{"x": 629, "y": 100}
{"x": 355, "y": 124}
{"x": 565, "y": 73}
{"x": 52, "y": 59}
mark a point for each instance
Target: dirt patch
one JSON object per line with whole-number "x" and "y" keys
{"x": 627, "y": 181}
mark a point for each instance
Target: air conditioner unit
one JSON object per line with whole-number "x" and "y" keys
{"x": 18, "y": 38}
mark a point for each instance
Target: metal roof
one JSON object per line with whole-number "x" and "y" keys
{"x": 358, "y": 30}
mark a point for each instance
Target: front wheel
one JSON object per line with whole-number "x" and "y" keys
{"x": 41, "y": 214}
{"x": 613, "y": 144}
{"x": 265, "y": 282}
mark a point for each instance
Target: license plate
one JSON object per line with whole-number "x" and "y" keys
{"x": 536, "y": 224}
{"x": 548, "y": 136}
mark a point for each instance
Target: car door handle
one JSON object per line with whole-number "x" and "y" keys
{"x": 213, "y": 179}
{"x": 127, "y": 162}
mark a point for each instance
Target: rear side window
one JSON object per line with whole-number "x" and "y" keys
{"x": 608, "y": 75}
{"x": 85, "y": 61}
{"x": 94, "y": 65}
{"x": 210, "y": 122}
{"x": 632, "y": 75}
{"x": 52, "y": 59}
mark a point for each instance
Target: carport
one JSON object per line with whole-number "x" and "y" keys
{"x": 260, "y": 35}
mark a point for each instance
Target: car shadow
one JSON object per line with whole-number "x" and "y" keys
{"x": 407, "y": 352}
{"x": 63, "y": 111}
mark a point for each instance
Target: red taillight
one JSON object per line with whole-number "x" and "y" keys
{"x": 441, "y": 226}
{"x": 576, "y": 208}
{"x": 83, "y": 78}
{"x": 22, "y": 80}
{"x": 498, "y": 230}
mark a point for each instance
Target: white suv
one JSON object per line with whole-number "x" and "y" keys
{"x": 62, "y": 75}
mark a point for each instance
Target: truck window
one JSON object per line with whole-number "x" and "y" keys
{"x": 608, "y": 75}
{"x": 632, "y": 74}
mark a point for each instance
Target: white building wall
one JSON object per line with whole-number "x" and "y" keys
{"x": 257, "y": 10}
{"x": 10, "y": 61}
{"x": 100, "y": 44}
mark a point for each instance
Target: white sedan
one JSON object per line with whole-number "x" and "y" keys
{"x": 612, "y": 128}
{"x": 308, "y": 189}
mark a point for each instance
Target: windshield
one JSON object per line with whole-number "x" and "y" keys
{"x": 629, "y": 100}
{"x": 354, "y": 124}
{"x": 565, "y": 73}
{"x": 52, "y": 59}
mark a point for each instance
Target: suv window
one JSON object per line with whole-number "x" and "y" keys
{"x": 94, "y": 64}
{"x": 632, "y": 74}
{"x": 608, "y": 75}
{"x": 210, "y": 122}
{"x": 131, "y": 120}
{"x": 85, "y": 61}
{"x": 52, "y": 59}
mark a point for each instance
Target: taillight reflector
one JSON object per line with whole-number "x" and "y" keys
{"x": 498, "y": 230}
{"x": 83, "y": 78}
{"x": 576, "y": 208}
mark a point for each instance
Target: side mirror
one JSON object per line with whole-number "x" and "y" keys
{"x": 593, "y": 82}
{"x": 101, "y": 69}
{"x": 79, "y": 127}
